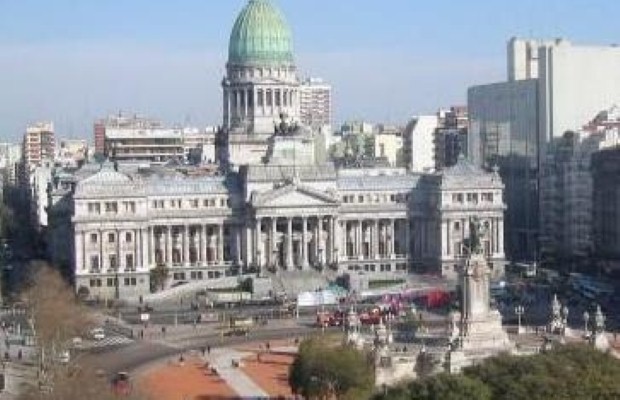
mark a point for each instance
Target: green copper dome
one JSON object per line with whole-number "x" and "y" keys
{"x": 260, "y": 36}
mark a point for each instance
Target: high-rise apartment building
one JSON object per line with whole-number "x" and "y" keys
{"x": 39, "y": 145}
{"x": 553, "y": 87}
{"x": 315, "y": 103}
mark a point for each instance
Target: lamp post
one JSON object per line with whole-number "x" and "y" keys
{"x": 586, "y": 318}
{"x": 519, "y": 311}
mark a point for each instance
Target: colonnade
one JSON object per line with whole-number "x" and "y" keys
{"x": 371, "y": 239}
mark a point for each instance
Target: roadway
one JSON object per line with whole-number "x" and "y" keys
{"x": 140, "y": 353}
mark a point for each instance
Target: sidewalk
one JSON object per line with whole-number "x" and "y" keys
{"x": 222, "y": 360}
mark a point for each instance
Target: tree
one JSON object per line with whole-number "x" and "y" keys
{"x": 56, "y": 316}
{"x": 568, "y": 372}
{"x": 159, "y": 275}
{"x": 323, "y": 371}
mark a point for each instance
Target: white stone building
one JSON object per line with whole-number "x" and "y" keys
{"x": 272, "y": 210}
{"x": 272, "y": 219}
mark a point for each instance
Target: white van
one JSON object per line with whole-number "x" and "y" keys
{"x": 97, "y": 334}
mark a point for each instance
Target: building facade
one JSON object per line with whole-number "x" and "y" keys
{"x": 419, "y": 143}
{"x": 315, "y": 103}
{"x": 606, "y": 207}
{"x": 271, "y": 209}
{"x": 39, "y": 145}
{"x": 553, "y": 86}
{"x": 273, "y": 219}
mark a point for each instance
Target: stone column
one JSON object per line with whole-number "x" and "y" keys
{"x": 375, "y": 239}
{"x": 79, "y": 253}
{"x": 220, "y": 243}
{"x": 151, "y": 245}
{"x": 392, "y": 237}
{"x": 407, "y": 238}
{"x": 238, "y": 251}
{"x": 289, "y": 243}
{"x": 500, "y": 234}
{"x": 249, "y": 251}
{"x": 186, "y": 239}
{"x": 273, "y": 248}
{"x": 203, "y": 244}
{"x": 320, "y": 243}
{"x": 330, "y": 242}
{"x": 304, "y": 245}
{"x": 169, "y": 245}
{"x": 258, "y": 247}
{"x": 337, "y": 240}
{"x": 144, "y": 248}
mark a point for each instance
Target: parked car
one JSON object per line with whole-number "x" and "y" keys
{"x": 97, "y": 334}
{"x": 64, "y": 357}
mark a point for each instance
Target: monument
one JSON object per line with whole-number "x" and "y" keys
{"x": 477, "y": 330}
{"x": 598, "y": 338}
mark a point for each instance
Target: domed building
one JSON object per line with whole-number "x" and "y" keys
{"x": 275, "y": 214}
{"x": 261, "y": 87}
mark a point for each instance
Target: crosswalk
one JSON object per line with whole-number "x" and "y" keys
{"x": 108, "y": 341}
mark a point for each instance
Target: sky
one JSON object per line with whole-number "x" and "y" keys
{"x": 72, "y": 61}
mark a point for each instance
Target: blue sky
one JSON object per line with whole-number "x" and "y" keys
{"x": 74, "y": 60}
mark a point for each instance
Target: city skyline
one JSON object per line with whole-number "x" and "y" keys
{"x": 73, "y": 63}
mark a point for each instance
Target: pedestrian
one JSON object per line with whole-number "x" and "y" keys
{"x": 163, "y": 331}
{"x": 141, "y": 334}
{"x": 203, "y": 350}
{"x": 268, "y": 346}
{"x": 19, "y": 354}
{"x": 208, "y": 349}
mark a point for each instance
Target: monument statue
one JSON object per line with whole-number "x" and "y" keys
{"x": 479, "y": 327}
{"x": 599, "y": 338}
{"x": 476, "y": 232}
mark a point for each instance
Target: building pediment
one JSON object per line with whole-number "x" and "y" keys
{"x": 293, "y": 195}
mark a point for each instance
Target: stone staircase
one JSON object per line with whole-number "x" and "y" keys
{"x": 187, "y": 291}
{"x": 294, "y": 282}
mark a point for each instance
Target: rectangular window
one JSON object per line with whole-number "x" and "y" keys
{"x": 93, "y": 238}
{"x": 94, "y": 262}
{"x": 259, "y": 99}
{"x": 128, "y": 237}
{"x": 111, "y": 238}
{"x": 113, "y": 261}
{"x": 111, "y": 207}
{"x": 133, "y": 281}
{"x": 129, "y": 261}
{"x": 112, "y": 282}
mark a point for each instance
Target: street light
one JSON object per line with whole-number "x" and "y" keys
{"x": 586, "y": 318}
{"x": 519, "y": 311}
